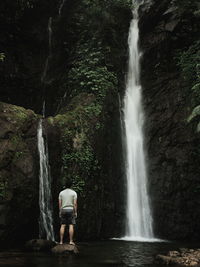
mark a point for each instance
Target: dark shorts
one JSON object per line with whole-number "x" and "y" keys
{"x": 67, "y": 217}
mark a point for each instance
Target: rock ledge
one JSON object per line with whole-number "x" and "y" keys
{"x": 181, "y": 257}
{"x": 65, "y": 248}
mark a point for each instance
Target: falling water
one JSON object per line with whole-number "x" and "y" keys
{"x": 45, "y": 201}
{"x": 61, "y": 7}
{"x": 139, "y": 219}
{"x": 49, "y": 28}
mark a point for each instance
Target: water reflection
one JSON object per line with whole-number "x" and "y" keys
{"x": 101, "y": 254}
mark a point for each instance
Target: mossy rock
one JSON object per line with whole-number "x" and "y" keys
{"x": 18, "y": 170}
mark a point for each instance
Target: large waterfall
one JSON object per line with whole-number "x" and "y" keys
{"x": 139, "y": 219}
{"x": 45, "y": 201}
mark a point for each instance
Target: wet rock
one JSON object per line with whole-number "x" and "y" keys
{"x": 171, "y": 142}
{"x": 170, "y": 26}
{"x": 39, "y": 245}
{"x": 65, "y": 248}
{"x": 183, "y": 257}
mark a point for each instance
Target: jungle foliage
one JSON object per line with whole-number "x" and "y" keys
{"x": 189, "y": 61}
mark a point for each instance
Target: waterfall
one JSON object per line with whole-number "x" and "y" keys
{"x": 61, "y": 7}
{"x": 139, "y": 219}
{"x": 45, "y": 201}
{"x": 46, "y": 66}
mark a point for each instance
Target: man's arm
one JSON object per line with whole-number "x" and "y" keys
{"x": 59, "y": 205}
{"x": 75, "y": 206}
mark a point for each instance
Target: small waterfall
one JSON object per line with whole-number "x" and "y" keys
{"x": 61, "y": 7}
{"x": 45, "y": 201}
{"x": 46, "y": 66}
{"x": 139, "y": 219}
{"x": 43, "y": 109}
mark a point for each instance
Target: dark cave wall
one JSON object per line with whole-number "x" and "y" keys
{"x": 19, "y": 165}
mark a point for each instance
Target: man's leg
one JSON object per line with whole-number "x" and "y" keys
{"x": 62, "y": 232}
{"x": 71, "y": 234}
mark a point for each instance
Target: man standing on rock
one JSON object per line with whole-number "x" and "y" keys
{"x": 67, "y": 211}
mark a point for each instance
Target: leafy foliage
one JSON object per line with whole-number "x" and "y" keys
{"x": 90, "y": 73}
{"x": 26, "y": 3}
{"x": 189, "y": 61}
{"x": 3, "y": 186}
{"x": 97, "y": 48}
{"x": 78, "y": 158}
{"x": 195, "y": 113}
{"x": 2, "y": 56}
{"x": 187, "y": 5}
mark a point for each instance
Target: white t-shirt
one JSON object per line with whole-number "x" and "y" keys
{"x": 67, "y": 197}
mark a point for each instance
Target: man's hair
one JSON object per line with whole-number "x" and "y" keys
{"x": 68, "y": 183}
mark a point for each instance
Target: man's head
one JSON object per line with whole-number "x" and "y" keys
{"x": 68, "y": 183}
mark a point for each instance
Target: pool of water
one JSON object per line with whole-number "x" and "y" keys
{"x": 97, "y": 254}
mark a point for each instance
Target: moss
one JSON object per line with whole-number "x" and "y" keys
{"x": 77, "y": 129}
{"x": 16, "y": 115}
{"x": 189, "y": 62}
{"x": 3, "y": 185}
{"x": 17, "y": 142}
{"x": 50, "y": 120}
{"x": 18, "y": 155}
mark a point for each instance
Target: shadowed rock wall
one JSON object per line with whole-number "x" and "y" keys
{"x": 167, "y": 30}
{"x": 18, "y": 174}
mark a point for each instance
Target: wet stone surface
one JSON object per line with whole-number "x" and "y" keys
{"x": 181, "y": 257}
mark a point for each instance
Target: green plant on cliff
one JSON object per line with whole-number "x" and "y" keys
{"x": 187, "y": 5}
{"x": 99, "y": 31}
{"x": 189, "y": 61}
{"x": 196, "y": 96}
{"x": 90, "y": 73}
{"x": 3, "y": 186}
{"x": 26, "y": 4}
{"x": 78, "y": 160}
{"x": 2, "y": 56}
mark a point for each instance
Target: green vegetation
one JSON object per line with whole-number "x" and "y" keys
{"x": 3, "y": 185}
{"x": 189, "y": 61}
{"x": 98, "y": 33}
{"x": 187, "y": 5}
{"x": 18, "y": 154}
{"x": 90, "y": 74}
{"x": 77, "y": 129}
{"x": 2, "y": 56}
{"x": 24, "y": 4}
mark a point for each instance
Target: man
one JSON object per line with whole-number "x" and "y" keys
{"x": 67, "y": 211}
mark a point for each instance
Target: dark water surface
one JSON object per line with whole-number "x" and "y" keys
{"x": 97, "y": 254}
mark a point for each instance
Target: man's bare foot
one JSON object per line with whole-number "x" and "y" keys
{"x": 61, "y": 243}
{"x": 72, "y": 243}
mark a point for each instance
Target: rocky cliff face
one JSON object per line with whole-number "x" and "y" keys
{"x": 74, "y": 57}
{"x": 78, "y": 141}
{"x": 92, "y": 164}
{"x": 18, "y": 172}
{"x": 167, "y": 31}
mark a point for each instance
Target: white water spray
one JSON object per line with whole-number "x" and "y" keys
{"x": 139, "y": 219}
{"x": 45, "y": 201}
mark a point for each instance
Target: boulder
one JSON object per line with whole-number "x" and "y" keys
{"x": 18, "y": 175}
{"x": 65, "y": 248}
{"x": 183, "y": 257}
{"x": 39, "y": 245}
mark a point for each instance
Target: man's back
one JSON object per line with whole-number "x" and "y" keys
{"x": 67, "y": 196}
